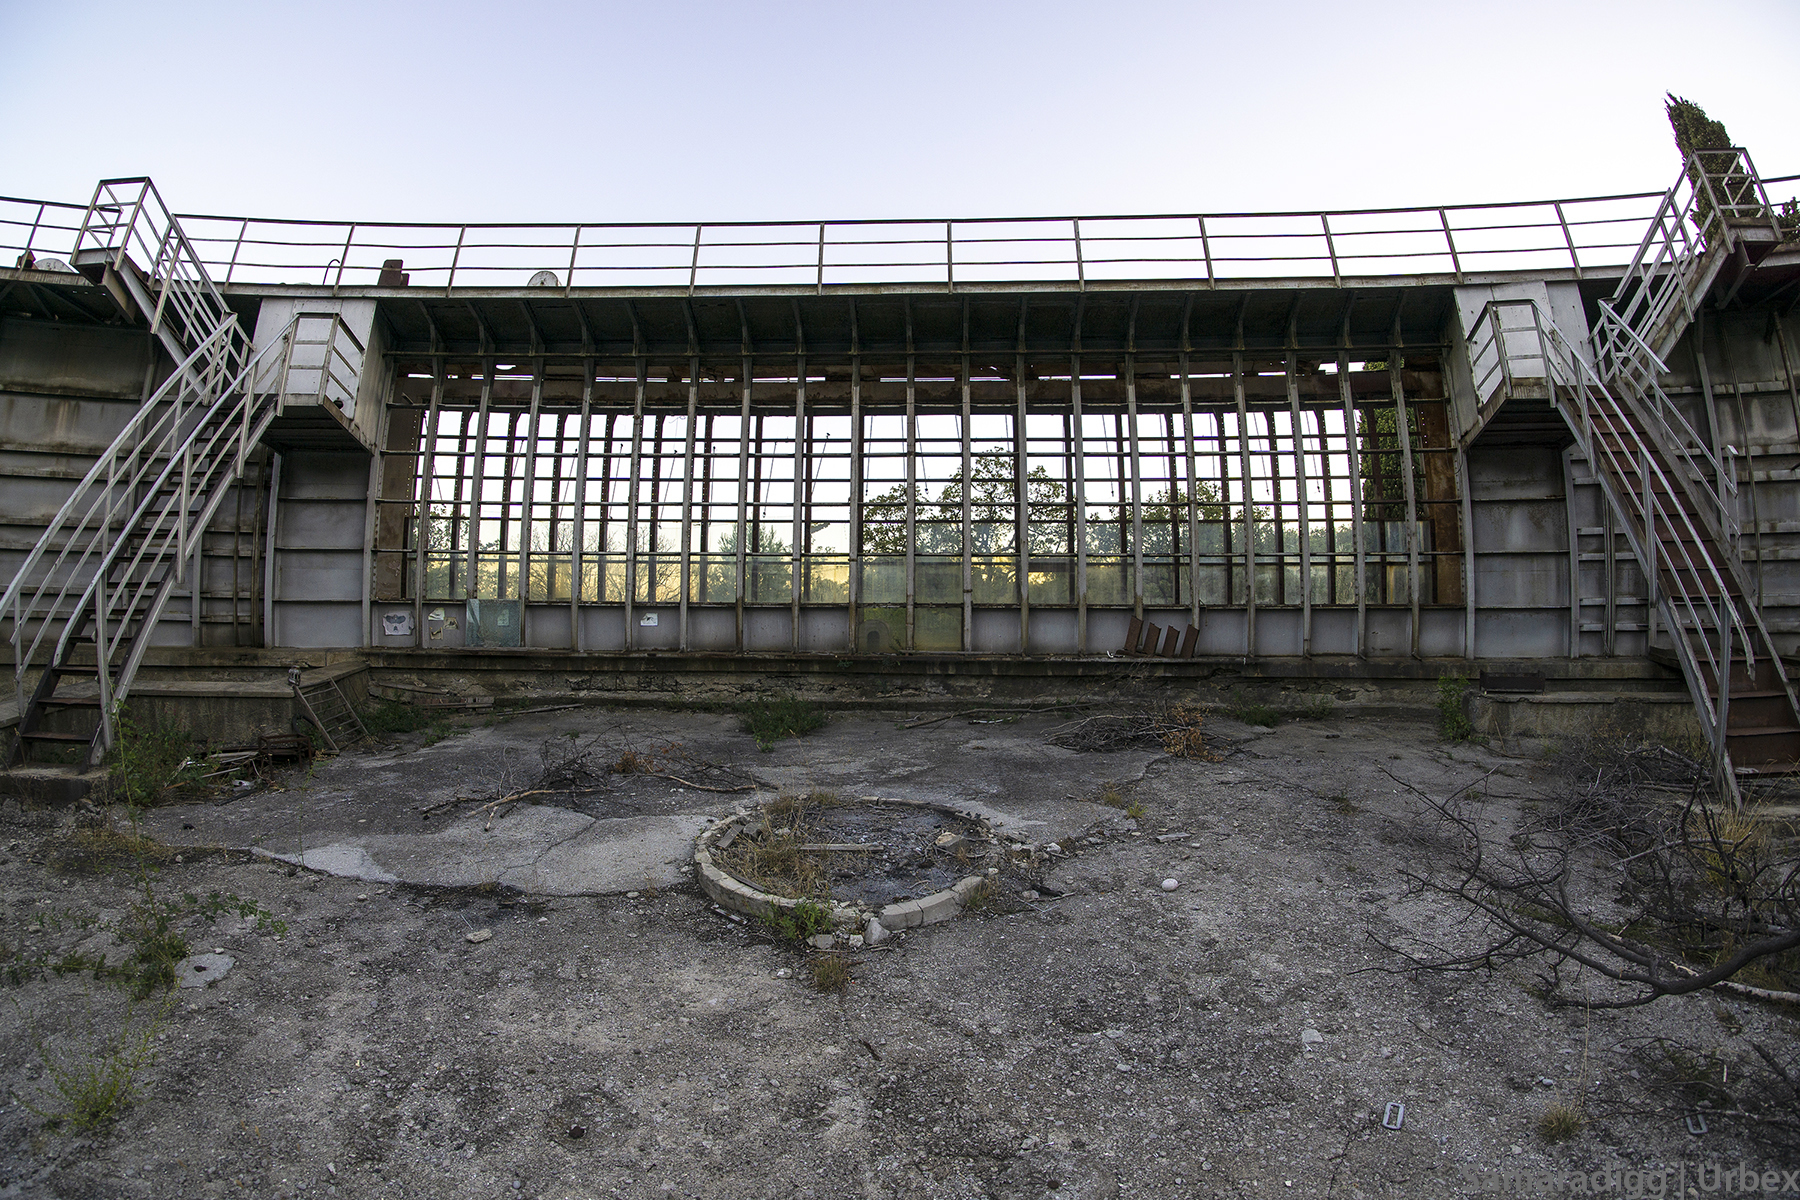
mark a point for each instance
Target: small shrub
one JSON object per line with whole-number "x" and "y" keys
{"x": 1135, "y": 810}
{"x": 801, "y": 921}
{"x": 831, "y": 974}
{"x": 1560, "y": 1122}
{"x": 1453, "y": 722}
{"x": 768, "y": 721}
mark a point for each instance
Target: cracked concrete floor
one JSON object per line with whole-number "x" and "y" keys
{"x": 1237, "y": 1037}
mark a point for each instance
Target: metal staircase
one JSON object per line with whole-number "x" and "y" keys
{"x": 1675, "y": 497}
{"x": 81, "y": 610}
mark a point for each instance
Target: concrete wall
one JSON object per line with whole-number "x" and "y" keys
{"x": 321, "y": 513}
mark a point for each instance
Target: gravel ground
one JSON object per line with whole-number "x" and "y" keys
{"x": 1239, "y": 1036}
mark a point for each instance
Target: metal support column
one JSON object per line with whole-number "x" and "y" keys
{"x": 802, "y": 497}
{"x": 1354, "y": 450}
{"x": 577, "y": 565}
{"x": 632, "y": 496}
{"x": 856, "y": 494}
{"x": 968, "y": 501}
{"x": 687, "y": 500}
{"x": 527, "y": 496}
{"x": 1300, "y": 498}
{"x": 1022, "y": 511}
{"x": 1137, "y": 493}
{"x": 912, "y": 490}
{"x": 477, "y": 479}
{"x": 1404, "y": 436}
{"x": 1568, "y": 466}
{"x": 1468, "y": 520}
{"x": 743, "y": 481}
{"x": 1078, "y": 449}
{"x": 1193, "y": 488}
{"x": 1243, "y": 431}
{"x": 427, "y": 473}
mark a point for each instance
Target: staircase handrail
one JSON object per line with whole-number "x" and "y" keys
{"x": 129, "y": 224}
{"x": 1569, "y": 376}
{"x": 158, "y": 441}
{"x": 1677, "y": 433}
{"x": 1684, "y": 244}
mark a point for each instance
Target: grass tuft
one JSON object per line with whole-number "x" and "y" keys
{"x": 831, "y": 974}
{"x": 1560, "y": 1122}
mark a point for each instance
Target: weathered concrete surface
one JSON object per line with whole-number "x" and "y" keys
{"x": 1116, "y": 1041}
{"x": 394, "y": 815}
{"x": 548, "y": 851}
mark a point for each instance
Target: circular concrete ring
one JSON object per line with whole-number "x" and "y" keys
{"x": 732, "y": 893}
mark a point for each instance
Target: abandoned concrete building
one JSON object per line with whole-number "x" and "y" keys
{"x": 1556, "y": 442}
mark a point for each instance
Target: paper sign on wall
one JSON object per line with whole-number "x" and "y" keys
{"x": 647, "y": 621}
{"x": 396, "y": 624}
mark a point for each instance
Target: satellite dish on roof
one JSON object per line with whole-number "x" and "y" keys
{"x": 545, "y": 279}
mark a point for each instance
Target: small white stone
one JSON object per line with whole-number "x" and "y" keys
{"x": 784, "y": 973}
{"x": 478, "y": 935}
{"x": 1169, "y": 885}
{"x": 875, "y": 933}
{"x": 631, "y": 895}
{"x": 1311, "y": 1037}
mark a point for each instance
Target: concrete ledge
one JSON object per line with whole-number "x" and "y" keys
{"x": 1662, "y": 716}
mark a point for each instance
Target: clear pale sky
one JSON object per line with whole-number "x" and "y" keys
{"x": 540, "y": 110}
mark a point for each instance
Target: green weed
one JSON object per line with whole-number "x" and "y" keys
{"x": 801, "y": 921}
{"x": 768, "y": 721}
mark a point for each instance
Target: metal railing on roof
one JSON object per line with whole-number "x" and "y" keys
{"x": 1455, "y": 241}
